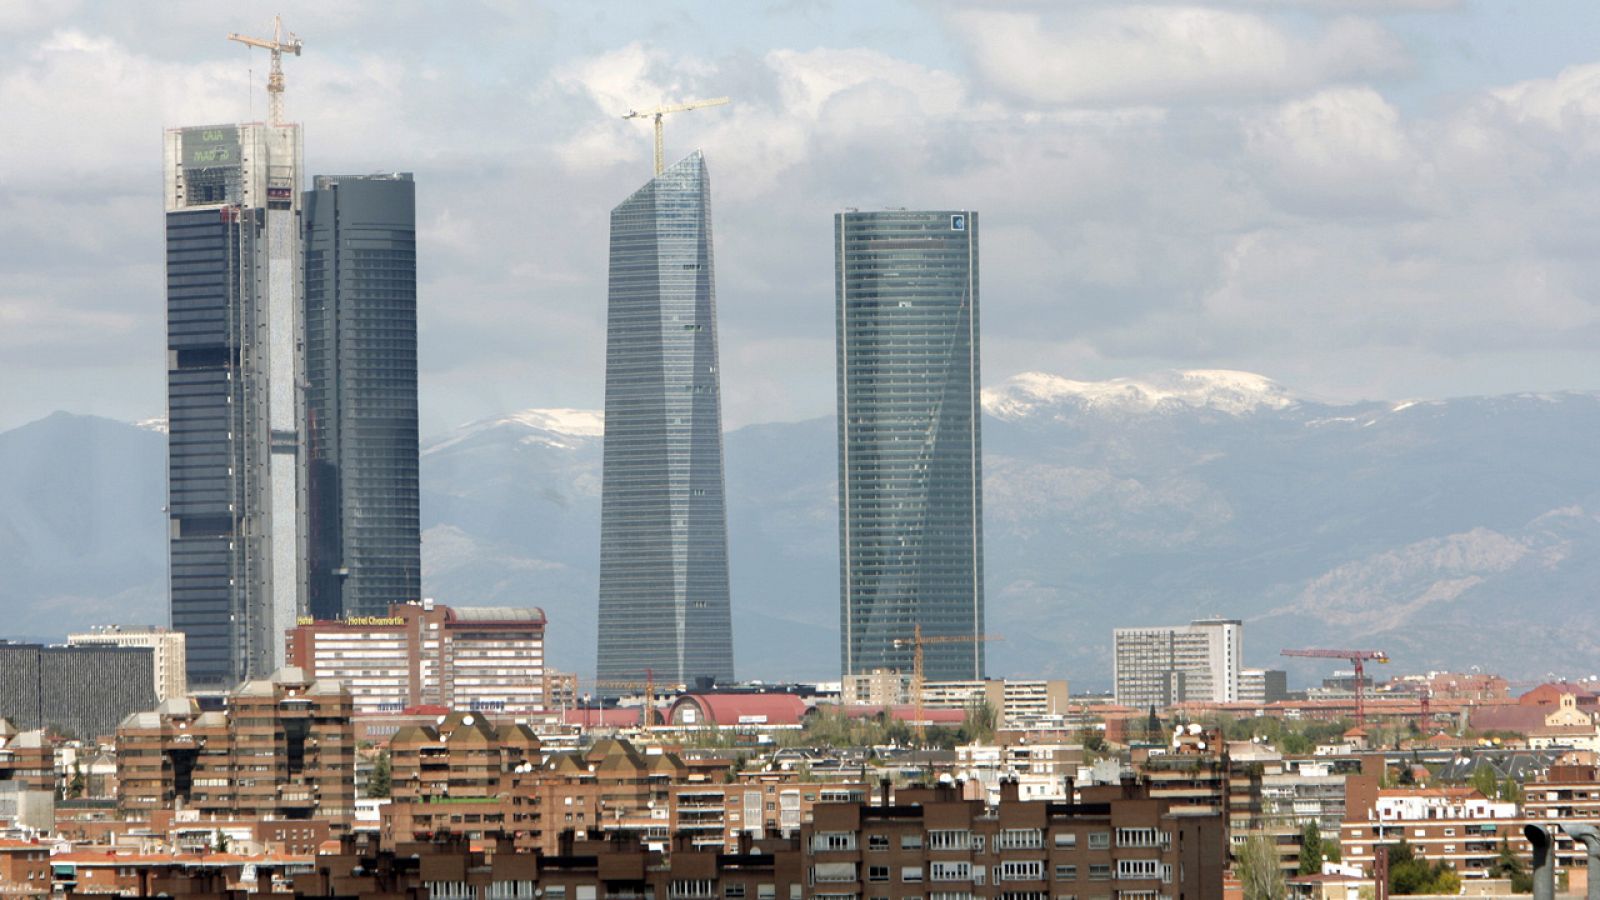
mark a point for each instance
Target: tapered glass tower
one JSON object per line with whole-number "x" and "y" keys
{"x": 235, "y": 458}
{"x": 663, "y": 521}
{"x": 361, "y": 394}
{"x": 910, "y": 473}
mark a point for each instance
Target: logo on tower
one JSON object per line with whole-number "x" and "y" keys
{"x": 958, "y": 222}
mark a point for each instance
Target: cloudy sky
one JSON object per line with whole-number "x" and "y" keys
{"x": 1358, "y": 198}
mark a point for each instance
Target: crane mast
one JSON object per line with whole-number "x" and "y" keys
{"x": 277, "y": 47}
{"x": 658, "y": 112}
{"x": 917, "y": 642}
{"x": 1357, "y": 659}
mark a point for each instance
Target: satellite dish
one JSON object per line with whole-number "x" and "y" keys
{"x": 466, "y": 720}
{"x": 1194, "y": 727}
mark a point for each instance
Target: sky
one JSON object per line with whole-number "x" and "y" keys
{"x": 1359, "y": 199}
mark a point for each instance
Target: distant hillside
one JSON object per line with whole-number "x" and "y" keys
{"x": 1422, "y": 528}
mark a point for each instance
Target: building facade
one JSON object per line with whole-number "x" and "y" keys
{"x": 1017, "y": 702}
{"x": 284, "y": 748}
{"x": 365, "y": 545}
{"x": 1198, "y": 662}
{"x": 167, "y": 647}
{"x": 235, "y": 366}
{"x": 79, "y": 691}
{"x": 910, "y": 450}
{"x": 488, "y": 659}
{"x": 664, "y": 603}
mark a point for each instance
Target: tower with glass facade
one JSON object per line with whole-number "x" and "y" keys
{"x": 365, "y": 549}
{"x": 235, "y": 366}
{"x": 910, "y": 452}
{"x": 664, "y": 604}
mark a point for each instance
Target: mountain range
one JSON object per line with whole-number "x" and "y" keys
{"x": 1448, "y": 532}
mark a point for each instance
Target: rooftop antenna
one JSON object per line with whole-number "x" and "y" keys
{"x": 277, "y": 47}
{"x": 656, "y": 114}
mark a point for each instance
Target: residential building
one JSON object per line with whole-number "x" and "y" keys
{"x": 1263, "y": 685}
{"x": 283, "y": 748}
{"x": 1158, "y": 667}
{"x": 365, "y": 544}
{"x": 82, "y": 692}
{"x": 235, "y": 446}
{"x": 910, "y": 446}
{"x": 879, "y": 687}
{"x": 711, "y": 816}
{"x": 1115, "y": 840}
{"x": 1018, "y": 703}
{"x": 664, "y": 604}
{"x": 168, "y": 649}
{"x": 481, "y": 658}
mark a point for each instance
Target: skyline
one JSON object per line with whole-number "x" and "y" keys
{"x": 1386, "y": 223}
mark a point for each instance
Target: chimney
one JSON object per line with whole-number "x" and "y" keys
{"x": 1010, "y": 790}
{"x": 883, "y": 787}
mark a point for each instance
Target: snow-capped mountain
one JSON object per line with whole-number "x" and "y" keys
{"x": 1414, "y": 526}
{"x": 1037, "y": 394}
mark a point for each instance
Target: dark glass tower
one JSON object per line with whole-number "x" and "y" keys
{"x": 663, "y": 522}
{"x": 235, "y": 461}
{"x": 910, "y": 474}
{"x": 361, "y": 394}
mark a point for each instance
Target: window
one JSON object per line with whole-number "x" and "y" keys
{"x": 834, "y": 840}
{"x": 1019, "y": 839}
{"x": 1099, "y": 872}
{"x": 1137, "y": 868}
{"x": 949, "y": 839}
{"x": 1066, "y": 839}
{"x": 911, "y": 874}
{"x": 1066, "y": 873}
{"x": 950, "y": 895}
{"x": 910, "y": 842}
{"x": 733, "y": 891}
{"x": 1136, "y": 837}
{"x": 1021, "y": 870}
{"x": 766, "y": 892}
{"x": 977, "y": 843}
{"x": 877, "y": 873}
{"x": 833, "y": 872}
{"x": 877, "y": 842}
{"x": 1099, "y": 840}
{"x": 950, "y": 871}
{"x": 693, "y": 887}
{"x": 1449, "y": 832}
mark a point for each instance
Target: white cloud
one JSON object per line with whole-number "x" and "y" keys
{"x": 1129, "y": 55}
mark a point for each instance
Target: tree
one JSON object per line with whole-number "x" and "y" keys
{"x": 1311, "y": 852}
{"x": 1260, "y": 875}
{"x": 380, "y": 779}
{"x": 75, "y": 788}
{"x": 1410, "y": 875}
{"x": 1484, "y": 780}
{"x": 1509, "y": 865}
{"x": 220, "y": 844}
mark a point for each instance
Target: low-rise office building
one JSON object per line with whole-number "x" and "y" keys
{"x": 484, "y": 659}
{"x": 76, "y": 691}
{"x": 168, "y": 648}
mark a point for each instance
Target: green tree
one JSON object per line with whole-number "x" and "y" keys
{"x": 1260, "y": 874}
{"x": 220, "y": 843}
{"x": 1509, "y": 865}
{"x": 1331, "y": 852}
{"x": 1484, "y": 781}
{"x": 76, "y": 787}
{"x": 979, "y": 724}
{"x": 1511, "y": 791}
{"x": 380, "y": 779}
{"x": 1311, "y": 852}
{"x": 1410, "y": 875}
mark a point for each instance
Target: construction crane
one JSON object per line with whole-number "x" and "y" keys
{"x": 277, "y": 47}
{"x": 658, "y": 112}
{"x": 648, "y": 685}
{"x": 917, "y": 642}
{"x": 1357, "y": 658}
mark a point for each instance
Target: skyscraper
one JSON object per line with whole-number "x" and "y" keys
{"x": 361, "y": 394}
{"x": 663, "y": 522}
{"x": 235, "y": 461}
{"x": 910, "y": 460}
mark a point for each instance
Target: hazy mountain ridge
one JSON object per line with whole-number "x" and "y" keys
{"x": 1414, "y": 526}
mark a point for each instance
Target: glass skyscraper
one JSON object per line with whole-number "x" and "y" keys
{"x": 663, "y": 521}
{"x": 910, "y": 452}
{"x": 235, "y": 460}
{"x": 365, "y": 548}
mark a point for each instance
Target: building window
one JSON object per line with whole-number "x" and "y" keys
{"x": 1066, "y": 839}
{"x": 1019, "y": 839}
{"x": 733, "y": 891}
{"x": 1021, "y": 870}
{"x": 1136, "y": 837}
{"x": 834, "y": 840}
{"x": 877, "y": 873}
{"x": 911, "y": 874}
{"x": 910, "y": 842}
{"x": 1099, "y": 872}
{"x": 1137, "y": 868}
{"x": 877, "y": 842}
{"x": 949, "y": 839}
{"x": 1099, "y": 840}
{"x": 1066, "y": 873}
{"x": 950, "y": 871}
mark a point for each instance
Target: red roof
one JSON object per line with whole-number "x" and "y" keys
{"x": 743, "y": 709}
{"x": 610, "y": 717}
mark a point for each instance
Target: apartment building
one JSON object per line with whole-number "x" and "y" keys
{"x": 168, "y": 648}
{"x": 1116, "y": 840}
{"x": 284, "y": 748}
{"x": 1019, "y": 703}
{"x": 483, "y": 659}
{"x": 719, "y": 816}
{"x": 1158, "y": 667}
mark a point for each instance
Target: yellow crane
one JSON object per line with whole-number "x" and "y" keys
{"x": 648, "y": 685}
{"x": 917, "y": 642}
{"x": 658, "y": 112}
{"x": 277, "y": 47}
